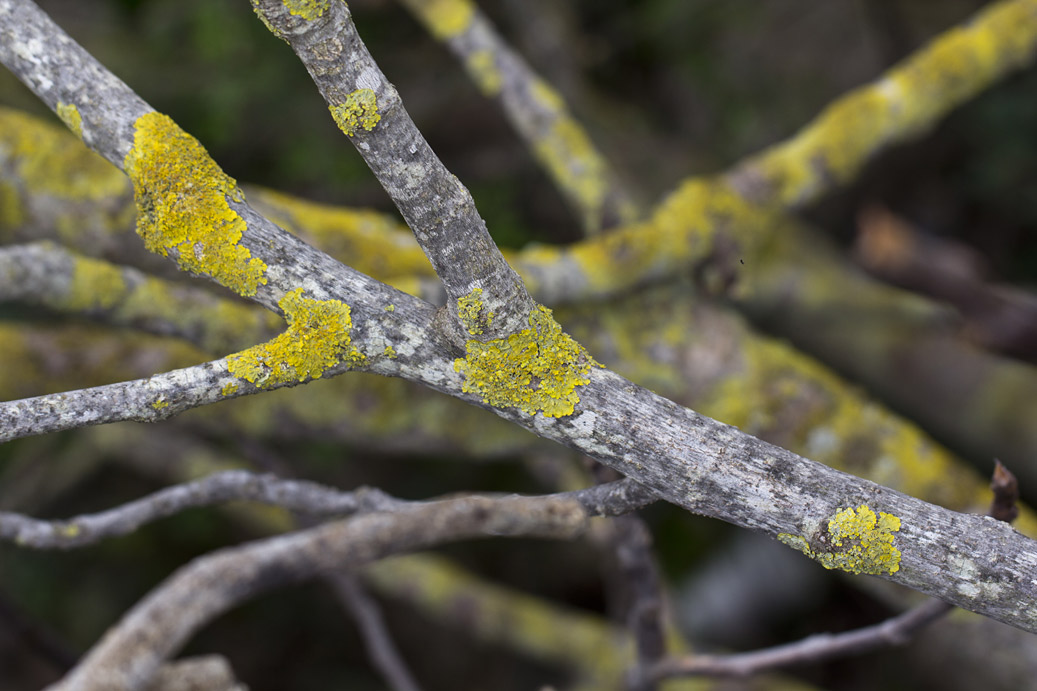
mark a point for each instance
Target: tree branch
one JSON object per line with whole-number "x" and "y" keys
{"x": 693, "y": 461}
{"x": 535, "y": 110}
{"x": 436, "y": 206}
{"x": 380, "y": 647}
{"x": 611, "y": 499}
{"x": 46, "y": 274}
{"x": 159, "y": 625}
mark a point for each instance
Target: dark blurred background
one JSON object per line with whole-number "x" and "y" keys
{"x": 667, "y": 89}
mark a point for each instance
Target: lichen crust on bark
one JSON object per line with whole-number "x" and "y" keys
{"x": 182, "y": 204}
{"x": 359, "y": 112}
{"x": 535, "y": 370}
{"x": 319, "y": 336}
{"x": 855, "y": 540}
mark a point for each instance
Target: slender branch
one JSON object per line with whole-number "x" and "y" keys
{"x": 439, "y": 209}
{"x": 380, "y": 647}
{"x": 907, "y": 100}
{"x": 535, "y": 110}
{"x": 895, "y": 631}
{"x": 160, "y": 624}
{"x": 234, "y": 485}
{"x": 612, "y": 499}
{"x": 46, "y": 274}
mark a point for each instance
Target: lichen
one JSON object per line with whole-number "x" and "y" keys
{"x": 307, "y": 9}
{"x": 69, "y": 115}
{"x": 444, "y": 18}
{"x": 909, "y": 98}
{"x": 12, "y": 214}
{"x": 318, "y": 337}
{"x": 359, "y": 112}
{"x": 472, "y": 313}
{"x": 182, "y": 205}
{"x": 855, "y": 540}
{"x": 229, "y": 389}
{"x": 70, "y": 530}
{"x": 372, "y": 242}
{"x": 681, "y": 232}
{"x": 483, "y": 69}
{"x": 160, "y": 404}
{"x": 534, "y": 370}
{"x": 51, "y": 162}
{"x": 94, "y": 285}
{"x": 390, "y": 352}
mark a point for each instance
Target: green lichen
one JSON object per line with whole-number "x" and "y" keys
{"x": 472, "y": 313}
{"x": 50, "y": 162}
{"x": 444, "y": 18}
{"x": 181, "y": 197}
{"x": 855, "y": 540}
{"x": 318, "y": 337}
{"x": 69, "y": 115}
{"x": 483, "y": 69}
{"x": 94, "y": 285}
{"x": 307, "y": 9}
{"x": 534, "y": 370}
{"x": 359, "y": 112}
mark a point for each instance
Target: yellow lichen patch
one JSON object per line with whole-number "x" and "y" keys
{"x": 307, "y": 9}
{"x": 472, "y": 313}
{"x": 483, "y": 69}
{"x": 160, "y": 404}
{"x": 567, "y": 153}
{"x": 70, "y": 530}
{"x": 370, "y": 241}
{"x": 855, "y": 540}
{"x": 933, "y": 81}
{"x": 181, "y": 197}
{"x": 390, "y": 352}
{"x": 94, "y": 285}
{"x": 534, "y": 370}
{"x": 318, "y": 337}
{"x": 69, "y": 115}
{"x": 359, "y": 112}
{"x": 50, "y": 161}
{"x": 229, "y": 389}
{"x": 390, "y": 308}
{"x": 680, "y": 232}
{"x": 443, "y": 18}
{"x": 12, "y": 215}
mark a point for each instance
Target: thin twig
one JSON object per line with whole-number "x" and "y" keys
{"x": 162, "y": 623}
{"x": 536, "y": 112}
{"x": 308, "y": 498}
{"x": 380, "y": 647}
{"x": 817, "y": 648}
